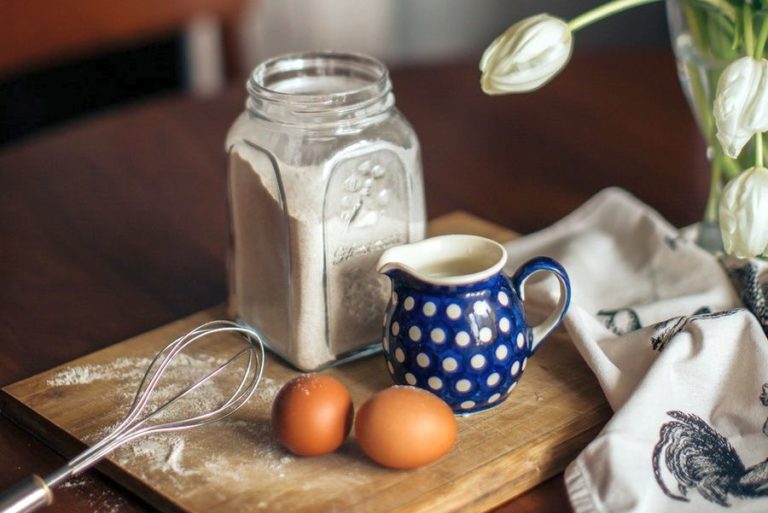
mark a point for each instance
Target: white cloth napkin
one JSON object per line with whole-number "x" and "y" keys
{"x": 682, "y": 364}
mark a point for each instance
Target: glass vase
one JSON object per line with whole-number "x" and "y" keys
{"x": 707, "y": 35}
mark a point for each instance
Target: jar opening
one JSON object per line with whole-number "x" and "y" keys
{"x": 318, "y": 83}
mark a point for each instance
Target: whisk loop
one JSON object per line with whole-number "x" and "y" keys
{"x": 35, "y": 492}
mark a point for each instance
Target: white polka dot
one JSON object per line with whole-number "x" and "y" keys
{"x": 395, "y": 328}
{"x": 515, "y": 369}
{"x": 467, "y": 405}
{"x": 463, "y": 385}
{"x": 399, "y": 355}
{"x": 429, "y": 309}
{"x": 477, "y": 361}
{"x": 481, "y": 308}
{"x": 409, "y": 303}
{"x": 520, "y": 340}
{"x": 462, "y": 339}
{"x": 385, "y": 343}
{"x": 512, "y": 387}
{"x": 494, "y": 398}
{"x": 502, "y": 352}
{"x": 493, "y": 379}
{"x": 435, "y": 383}
{"x": 503, "y": 298}
{"x": 437, "y": 335}
{"x": 394, "y": 298}
{"x": 525, "y": 362}
{"x": 486, "y": 334}
{"x": 504, "y": 324}
{"x": 450, "y": 364}
{"x": 422, "y": 360}
{"x": 453, "y": 311}
{"x": 391, "y": 369}
{"x": 410, "y": 378}
{"x": 414, "y": 333}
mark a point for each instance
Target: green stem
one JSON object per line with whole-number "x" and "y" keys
{"x": 731, "y": 168}
{"x": 749, "y": 36}
{"x": 761, "y": 38}
{"x": 603, "y": 11}
{"x": 710, "y": 214}
{"x": 749, "y": 47}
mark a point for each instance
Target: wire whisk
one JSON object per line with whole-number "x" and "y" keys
{"x": 145, "y": 418}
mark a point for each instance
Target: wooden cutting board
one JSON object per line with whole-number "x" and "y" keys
{"x": 236, "y": 466}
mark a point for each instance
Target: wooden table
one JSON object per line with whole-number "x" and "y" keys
{"x": 117, "y": 224}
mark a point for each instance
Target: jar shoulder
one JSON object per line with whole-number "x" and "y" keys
{"x": 319, "y": 145}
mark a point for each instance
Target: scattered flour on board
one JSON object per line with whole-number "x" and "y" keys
{"x": 243, "y": 451}
{"x": 121, "y": 369}
{"x": 100, "y": 498}
{"x": 124, "y": 375}
{"x": 131, "y": 369}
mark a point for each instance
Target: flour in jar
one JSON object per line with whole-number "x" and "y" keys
{"x": 305, "y": 244}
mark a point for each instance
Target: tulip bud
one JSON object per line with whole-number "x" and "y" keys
{"x": 741, "y": 103}
{"x": 744, "y": 214}
{"x": 526, "y": 56}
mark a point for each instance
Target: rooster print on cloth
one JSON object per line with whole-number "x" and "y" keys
{"x": 701, "y": 458}
{"x": 694, "y": 453}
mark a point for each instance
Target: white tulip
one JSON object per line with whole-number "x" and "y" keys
{"x": 526, "y": 56}
{"x": 744, "y": 214}
{"x": 741, "y": 104}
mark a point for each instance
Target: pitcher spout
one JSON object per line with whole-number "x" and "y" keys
{"x": 448, "y": 260}
{"x": 394, "y": 259}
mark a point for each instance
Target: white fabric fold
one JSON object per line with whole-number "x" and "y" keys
{"x": 682, "y": 365}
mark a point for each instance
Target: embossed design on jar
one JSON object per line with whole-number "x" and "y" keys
{"x": 377, "y": 246}
{"x": 365, "y": 208}
{"x": 367, "y": 195}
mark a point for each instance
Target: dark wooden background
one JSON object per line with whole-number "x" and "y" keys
{"x": 117, "y": 224}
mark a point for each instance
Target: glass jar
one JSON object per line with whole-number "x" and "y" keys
{"x": 324, "y": 174}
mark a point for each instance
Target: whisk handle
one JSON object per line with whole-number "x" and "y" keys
{"x": 26, "y": 496}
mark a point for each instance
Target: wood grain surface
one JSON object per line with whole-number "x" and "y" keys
{"x": 115, "y": 224}
{"x": 236, "y": 466}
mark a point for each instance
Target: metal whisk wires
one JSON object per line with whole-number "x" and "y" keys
{"x": 36, "y": 492}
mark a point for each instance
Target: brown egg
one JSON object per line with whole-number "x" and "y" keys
{"x": 405, "y": 427}
{"x": 312, "y": 415}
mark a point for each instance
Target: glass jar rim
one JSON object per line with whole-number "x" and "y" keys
{"x": 320, "y": 64}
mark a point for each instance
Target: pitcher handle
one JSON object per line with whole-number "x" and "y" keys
{"x": 530, "y": 268}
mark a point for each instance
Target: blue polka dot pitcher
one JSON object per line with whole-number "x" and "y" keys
{"x": 455, "y": 323}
